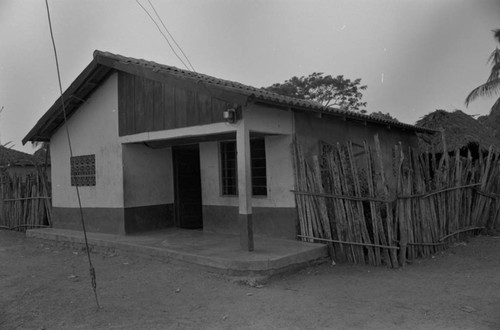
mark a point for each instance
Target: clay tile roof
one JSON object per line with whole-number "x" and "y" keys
{"x": 259, "y": 94}
{"x": 104, "y": 63}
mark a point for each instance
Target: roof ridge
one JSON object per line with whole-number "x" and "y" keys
{"x": 235, "y": 84}
{"x": 104, "y": 63}
{"x": 259, "y": 93}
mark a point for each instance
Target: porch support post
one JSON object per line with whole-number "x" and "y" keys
{"x": 244, "y": 186}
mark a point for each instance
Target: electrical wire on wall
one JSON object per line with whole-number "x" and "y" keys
{"x": 91, "y": 267}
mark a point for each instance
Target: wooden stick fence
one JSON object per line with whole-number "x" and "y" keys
{"x": 378, "y": 211}
{"x": 24, "y": 201}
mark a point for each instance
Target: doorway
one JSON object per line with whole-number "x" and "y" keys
{"x": 187, "y": 177}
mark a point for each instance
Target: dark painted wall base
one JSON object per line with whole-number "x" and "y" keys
{"x": 276, "y": 222}
{"x": 143, "y": 218}
{"x": 115, "y": 220}
{"x": 102, "y": 220}
{"x": 267, "y": 221}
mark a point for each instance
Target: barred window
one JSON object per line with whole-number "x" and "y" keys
{"x": 258, "y": 160}
{"x": 83, "y": 170}
{"x": 229, "y": 168}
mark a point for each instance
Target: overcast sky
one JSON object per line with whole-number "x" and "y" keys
{"x": 415, "y": 56}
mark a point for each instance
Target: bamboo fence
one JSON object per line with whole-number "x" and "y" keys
{"x": 24, "y": 201}
{"x": 371, "y": 213}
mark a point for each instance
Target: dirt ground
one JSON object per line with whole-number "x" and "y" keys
{"x": 45, "y": 285}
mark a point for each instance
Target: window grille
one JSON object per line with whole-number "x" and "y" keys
{"x": 258, "y": 161}
{"x": 83, "y": 170}
{"x": 229, "y": 167}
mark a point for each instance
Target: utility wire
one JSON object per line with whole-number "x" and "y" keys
{"x": 200, "y": 80}
{"x": 91, "y": 267}
{"x": 171, "y": 36}
{"x": 163, "y": 34}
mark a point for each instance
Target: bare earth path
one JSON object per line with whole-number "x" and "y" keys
{"x": 44, "y": 285}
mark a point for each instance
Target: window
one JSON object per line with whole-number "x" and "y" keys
{"x": 229, "y": 168}
{"x": 258, "y": 161}
{"x": 83, "y": 170}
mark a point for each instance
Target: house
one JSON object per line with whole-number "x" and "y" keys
{"x": 462, "y": 132}
{"x": 15, "y": 162}
{"x": 155, "y": 146}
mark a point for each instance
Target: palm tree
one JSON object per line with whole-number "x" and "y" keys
{"x": 492, "y": 85}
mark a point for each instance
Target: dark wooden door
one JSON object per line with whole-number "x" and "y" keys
{"x": 188, "y": 207}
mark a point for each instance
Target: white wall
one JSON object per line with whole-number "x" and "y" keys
{"x": 93, "y": 130}
{"x": 278, "y": 160}
{"x": 260, "y": 118}
{"x": 148, "y": 178}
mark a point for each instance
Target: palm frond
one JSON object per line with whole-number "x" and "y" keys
{"x": 494, "y": 57}
{"x": 487, "y": 89}
{"x": 495, "y": 72}
{"x": 496, "y": 34}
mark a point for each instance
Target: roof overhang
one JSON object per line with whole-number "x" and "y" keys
{"x": 345, "y": 115}
{"x": 104, "y": 63}
{"x": 74, "y": 96}
{"x": 100, "y": 68}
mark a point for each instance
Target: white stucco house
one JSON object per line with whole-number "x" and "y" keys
{"x": 156, "y": 147}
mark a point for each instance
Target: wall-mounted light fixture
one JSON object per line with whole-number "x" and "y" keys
{"x": 230, "y": 115}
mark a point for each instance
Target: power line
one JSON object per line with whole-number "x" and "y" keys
{"x": 91, "y": 267}
{"x": 200, "y": 81}
{"x": 171, "y": 36}
{"x": 163, "y": 34}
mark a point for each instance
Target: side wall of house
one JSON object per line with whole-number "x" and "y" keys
{"x": 94, "y": 131}
{"x": 311, "y": 129}
{"x": 148, "y": 188}
{"x": 274, "y": 215}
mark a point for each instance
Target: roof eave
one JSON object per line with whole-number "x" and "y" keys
{"x": 344, "y": 115}
{"x": 73, "y": 96}
{"x": 104, "y": 63}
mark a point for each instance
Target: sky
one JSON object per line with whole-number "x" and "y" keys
{"x": 414, "y": 56}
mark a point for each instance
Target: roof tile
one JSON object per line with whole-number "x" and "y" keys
{"x": 252, "y": 93}
{"x": 259, "y": 93}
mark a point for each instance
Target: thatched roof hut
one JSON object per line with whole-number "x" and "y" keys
{"x": 461, "y": 132}
{"x": 14, "y": 161}
{"x": 12, "y": 157}
{"x": 492, "y": 120}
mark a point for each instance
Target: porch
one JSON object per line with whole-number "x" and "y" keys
{"x": 213, "y": 251}
{"x": 223, "y": 177}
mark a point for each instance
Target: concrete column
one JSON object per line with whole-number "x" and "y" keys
{"x": 244, "y": 186}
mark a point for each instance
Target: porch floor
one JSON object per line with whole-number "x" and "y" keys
{"x": 220, "y": 252}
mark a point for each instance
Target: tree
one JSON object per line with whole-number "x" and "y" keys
{"x": 337, "y": 92}
{"x": 381, "y": 115}
{"x": 492, "y": 85}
